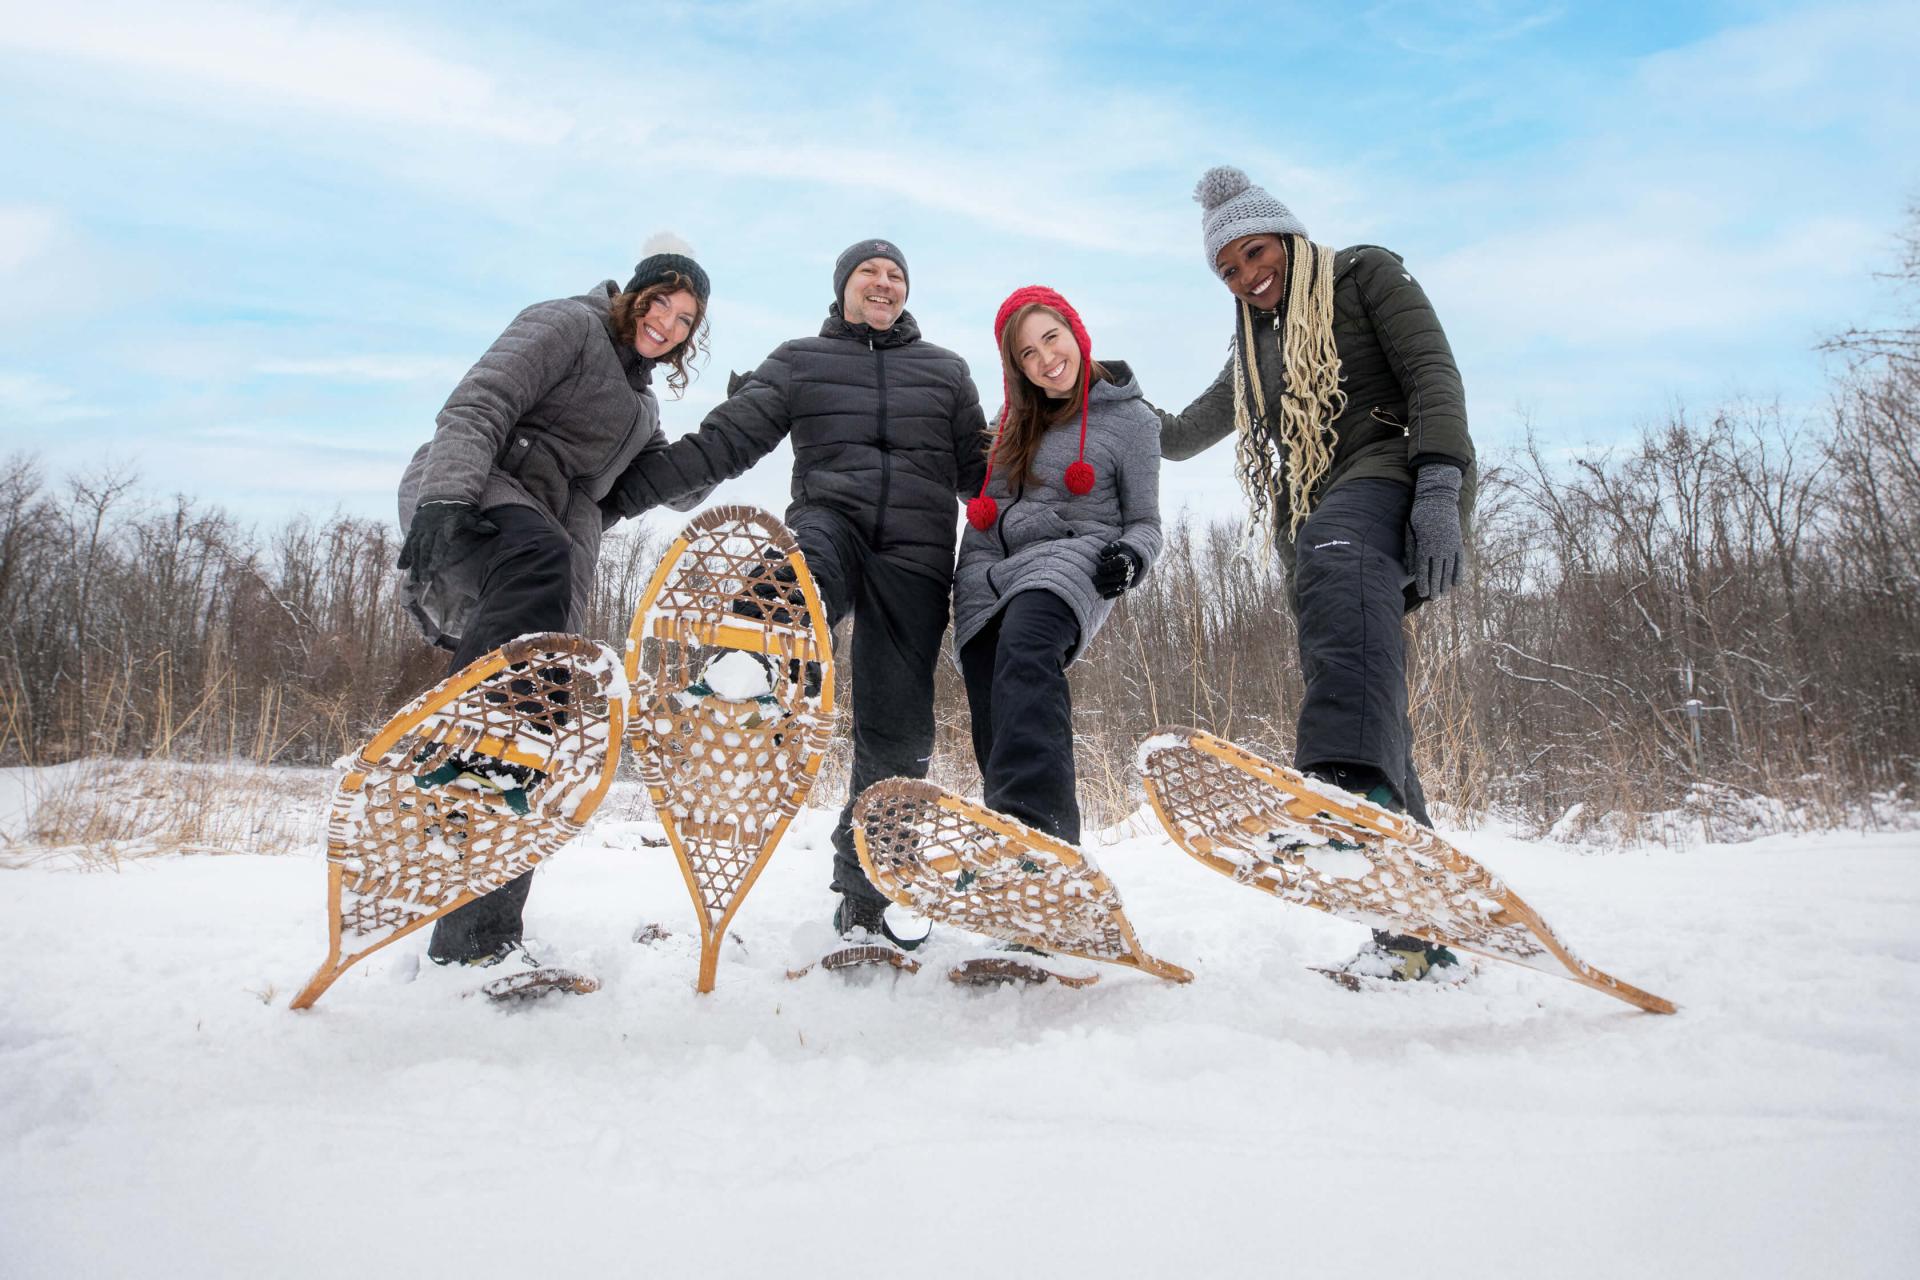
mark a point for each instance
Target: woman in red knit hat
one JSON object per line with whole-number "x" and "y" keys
{"x": 1067, "y": 520}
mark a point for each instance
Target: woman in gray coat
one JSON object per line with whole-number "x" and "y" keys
{"x": 1067, "y": 519}
{"x": 503, "y": 509}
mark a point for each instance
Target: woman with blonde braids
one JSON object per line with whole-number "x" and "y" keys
{"x": 1350, "y": 433}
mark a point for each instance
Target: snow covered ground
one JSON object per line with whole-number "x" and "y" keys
{"x": 163, "y": 1113}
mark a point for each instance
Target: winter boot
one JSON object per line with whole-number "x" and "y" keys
{"x": 1402, "y": 958}
{"x": 502, "y": 951}
{"x": 509, "y": 781}
{"x": 862, "y": 920}
{"x": 1361, "y": 781}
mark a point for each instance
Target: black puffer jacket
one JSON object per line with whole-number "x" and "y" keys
{"x": 1405, "y": 405}
{"x": 887, "y": 431}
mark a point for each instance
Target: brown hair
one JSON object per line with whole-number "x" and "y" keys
{"x": 1030, "y": 411}
{"x": 626, "y": 309}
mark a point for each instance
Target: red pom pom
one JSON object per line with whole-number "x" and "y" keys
{"x": 1080, "y": 478}
{"x": 982, "y": 512}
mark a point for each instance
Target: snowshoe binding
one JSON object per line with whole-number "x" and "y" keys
{"x": 1398, "y": 957}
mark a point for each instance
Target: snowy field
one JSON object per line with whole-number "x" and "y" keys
{"x": 163, "y": 1113}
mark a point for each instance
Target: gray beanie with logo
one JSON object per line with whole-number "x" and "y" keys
{"x": 857, "y": 253}
{"x": 1234, "y": 207}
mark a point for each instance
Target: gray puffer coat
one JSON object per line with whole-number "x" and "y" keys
{"x": 1048, "y": 539}
{"x": 548, "y": 419}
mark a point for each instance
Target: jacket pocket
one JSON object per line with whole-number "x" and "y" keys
{"x": 532, "y": 461}
{"x": 1030, "y": 523}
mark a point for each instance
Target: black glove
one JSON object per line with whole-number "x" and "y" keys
{"x": 1115, "y": 570}
{"x": 1434, "y": 550}
{"x": 442, "y": 533}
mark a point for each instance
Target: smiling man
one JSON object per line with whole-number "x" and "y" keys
{"x": 888, "y": 438}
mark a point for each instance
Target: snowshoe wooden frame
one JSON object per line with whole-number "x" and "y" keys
{"x": 537, "y": 984}
{"x": 949, "y": 859}
{"x": 860, "y": 955}
{"x": 1225, "y": 806}
{"x": 400, "y": 856}
{"x": 1000, "y": 971}
{"x": 726, "y": 778}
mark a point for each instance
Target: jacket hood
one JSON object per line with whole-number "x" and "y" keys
{"x": 903, "y": 331}
{"x": 599, "y": 300}
{"x": 1120, "y": 384}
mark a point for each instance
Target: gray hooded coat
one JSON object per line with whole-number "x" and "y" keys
{"x": 1048, "y": 539}
{"x": 548, "y": 419}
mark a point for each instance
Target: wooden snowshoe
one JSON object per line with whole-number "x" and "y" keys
{"x": 469, "y": 785}
{"x": 1305, "y": 841}
{"x": 1008, "y": 969}
{"x": 535, "y": 984}
{"x": 731, "y": 664}
{"x": 945, "y": 857}
{"x": 860, "y": 955}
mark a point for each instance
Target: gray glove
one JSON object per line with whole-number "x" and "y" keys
{"x": 1434, "y": 551}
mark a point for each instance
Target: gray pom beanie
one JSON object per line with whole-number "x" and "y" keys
{"x": 855, "y": 254}
{"x": 1234, "y": 207}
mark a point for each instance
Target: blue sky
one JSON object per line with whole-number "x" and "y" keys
{"x": 246, "y": 249}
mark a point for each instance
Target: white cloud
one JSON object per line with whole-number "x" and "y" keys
{"x": 358, "y": 67}
{"x": 367, "y": 368}
{"x": 27, "y": 399}
{"x": 26, "y": 233}
{"x": 1463, "y": 27}
{"x": 1607, "y": 284}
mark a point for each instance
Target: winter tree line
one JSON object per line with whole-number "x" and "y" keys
{"x": 1725, "y": 610}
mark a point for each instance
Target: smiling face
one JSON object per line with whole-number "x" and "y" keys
{"x": 876, "y": 294}
{"x": 1254, "y": 269}
{"x": 1044, "y": 349}
{"x": 668, "y": 321}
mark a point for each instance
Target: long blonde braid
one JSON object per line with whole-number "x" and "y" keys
{"x": 1296, "y": 451}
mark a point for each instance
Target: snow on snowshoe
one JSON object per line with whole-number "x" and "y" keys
{"x": 469, "y": 785}
{"x": 1307, "y": 841}
{"x": 732, "y": 668}
{"x": 945, "y": 857}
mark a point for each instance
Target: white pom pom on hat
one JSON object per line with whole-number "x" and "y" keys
{"x": 667, "y": 242}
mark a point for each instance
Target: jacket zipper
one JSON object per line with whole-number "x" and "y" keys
{"x": 886, "y": 454}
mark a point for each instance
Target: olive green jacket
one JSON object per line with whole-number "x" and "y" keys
{"x": 1405, "y": 406}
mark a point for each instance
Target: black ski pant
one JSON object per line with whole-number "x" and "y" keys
{"x": 899, "y": 614}
{"x": 1015, "y": 669}
{"x": 1350, "y": 594}
{"x": 525, "y": 586}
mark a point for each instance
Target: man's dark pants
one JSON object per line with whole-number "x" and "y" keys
{"x": 899, "y": 615}
{"x": 1350, "y": 595}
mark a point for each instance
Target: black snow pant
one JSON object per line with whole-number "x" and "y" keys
{"x": 899, "y": 614}
{"x": 1350, "y": 594}
{"x": 525, "y": 586}
{"x": 1016, "y": 673}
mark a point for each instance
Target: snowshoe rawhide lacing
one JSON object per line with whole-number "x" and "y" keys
{"x": 731, "y": 665}
{"x": 409, "y": 839}
{"x": 1301, "y": 840}
{"x": 953, "y": 860}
